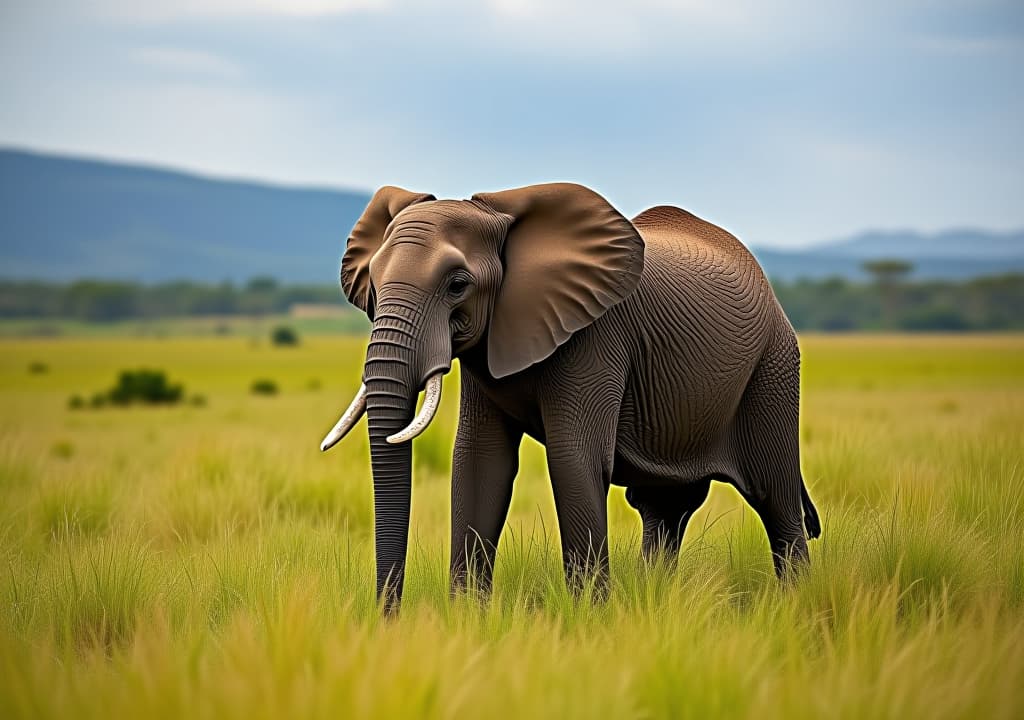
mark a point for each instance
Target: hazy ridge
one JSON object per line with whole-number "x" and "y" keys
{"x": 63, "y": 218}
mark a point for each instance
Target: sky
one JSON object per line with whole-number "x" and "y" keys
{"x": 788, "y": 122}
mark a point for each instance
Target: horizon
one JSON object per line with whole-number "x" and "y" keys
{"x": 201, "y": 175}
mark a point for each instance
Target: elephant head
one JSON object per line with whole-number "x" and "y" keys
{"x": 511, "y": 273}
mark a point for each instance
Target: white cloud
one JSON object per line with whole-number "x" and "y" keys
{"x": 185, "y": 61}
{"x": 160, "y": 10}
{"x": 215, "y": 130}
{"x": 749, "y": 114}
{"x": 582, "y": 11}
{"x": 714, "y": 28}
{"x": 553, "y": 18}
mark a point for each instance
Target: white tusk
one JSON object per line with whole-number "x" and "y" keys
{"x": 431, "y": 400}
{"x": 348, "y": 419}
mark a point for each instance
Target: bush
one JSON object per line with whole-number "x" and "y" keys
{"x": 146, "y": 387}
{"x": 284, "y": 336}
{"x": 38, "y": 368}
{"x": 197, "y": 401}
{"x": 149, "y": 387}
{"x": 263, "y": 387}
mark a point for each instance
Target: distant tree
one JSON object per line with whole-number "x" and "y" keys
{"x": 888, "y": 274}
{"x": 891, "y": 300}
{"x": 935, "y": 319}
{"x": 144, "y": 386}
{"x": 101, "y": 301}
{"x": 262, "y": 284}
{"x": 888, "y": 270}
{"x": 284, "y": 336}
{"x": 259, "y": 296}
{"x": 263, "y": 386}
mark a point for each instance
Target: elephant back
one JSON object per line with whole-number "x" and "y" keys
{"x": 667, "y": 223}
{"x": 695, "y": 265}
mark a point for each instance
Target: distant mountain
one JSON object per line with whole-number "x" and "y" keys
{"x": 964, "y": 243}
{"x": 780, "y": 265}
{"x": 63, "y": 218}
{"x": 949, "y": 254}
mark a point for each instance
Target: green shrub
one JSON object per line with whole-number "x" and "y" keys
{"x": 263, "y": 386}
{"x": 148, "y": 387}
{"x": 145, "y": 387}
{"x": 37, "y": 367}
{"x": 284, "y": 336}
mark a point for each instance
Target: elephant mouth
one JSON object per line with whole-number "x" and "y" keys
{"x": 431, "y": 401}
{"x": 357, "y": 408}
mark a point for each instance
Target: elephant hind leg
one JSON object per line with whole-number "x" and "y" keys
{"x": 787, "y": 541}
{"x": 811, "y": 519}
{"x": 776, "y": 496}
{"x": 767, "y": 445}
{"x": 665, "y": 512}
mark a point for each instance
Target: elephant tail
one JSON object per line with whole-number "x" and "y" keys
{"x": 811, "y": 521}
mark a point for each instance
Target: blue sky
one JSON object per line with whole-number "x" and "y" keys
{"x": 787, "y": 122}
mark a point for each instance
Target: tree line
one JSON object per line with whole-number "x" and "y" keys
{"x": 110, "y": 300}
{"x": 836, "y": 304}
{"x": 889, "y": 301}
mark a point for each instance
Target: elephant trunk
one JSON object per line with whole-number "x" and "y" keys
{"x": 393, "y": 374}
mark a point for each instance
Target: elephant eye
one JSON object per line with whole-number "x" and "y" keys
{"x": 457, "y": 286}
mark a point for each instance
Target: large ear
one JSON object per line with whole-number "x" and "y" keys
{"x": 366, "y": 239}
{"x": 569, "y": 256}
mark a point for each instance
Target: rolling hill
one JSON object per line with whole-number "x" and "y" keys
{"x": 63, "y": 218}
{"x": 953, "y": 254}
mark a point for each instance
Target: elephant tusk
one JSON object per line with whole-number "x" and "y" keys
{"x": 349, "y": 418}
{"x": 431, "y": 401}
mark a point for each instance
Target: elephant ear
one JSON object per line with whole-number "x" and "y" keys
{"x": 366, "y": 239}
{"x": 569, "y": 256}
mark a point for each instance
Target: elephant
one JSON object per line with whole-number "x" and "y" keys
{"x": 648, "y": 353}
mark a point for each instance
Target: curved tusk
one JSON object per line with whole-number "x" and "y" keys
{"x": 348, "y": 419}
{"x": 431, "y": 401}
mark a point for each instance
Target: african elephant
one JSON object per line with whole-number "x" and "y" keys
{"x": 650, "y": 354}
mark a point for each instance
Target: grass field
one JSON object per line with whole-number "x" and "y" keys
{"x": 209, "y": 562}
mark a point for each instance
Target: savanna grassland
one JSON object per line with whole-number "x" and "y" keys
{"x": 210, "y": 562}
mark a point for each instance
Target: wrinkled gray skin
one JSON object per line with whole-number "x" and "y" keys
{"x": 650, "y": 354}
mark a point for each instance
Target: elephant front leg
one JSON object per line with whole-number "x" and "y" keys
{"x": 580, "y": 428}
{"x": 580, "y": 449}
{"x": 581, "y": 503}
{"x": 484, "y": 465}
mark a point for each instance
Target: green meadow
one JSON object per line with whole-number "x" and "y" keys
{"x": 208, "y": 561}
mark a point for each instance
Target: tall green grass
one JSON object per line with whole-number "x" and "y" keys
{"x": 210, "y": 562}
